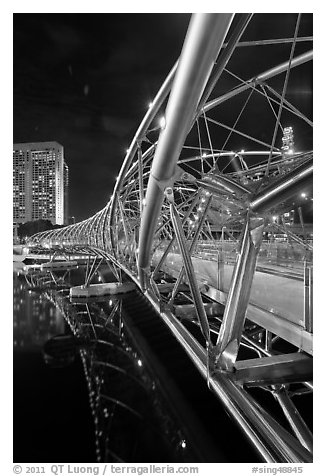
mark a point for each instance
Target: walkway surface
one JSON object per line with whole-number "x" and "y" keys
{"x": 276, "y": 302}
{"x": 280, "y": 295}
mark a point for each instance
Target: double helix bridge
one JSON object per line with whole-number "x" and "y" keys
{"x": 200, "y": 221}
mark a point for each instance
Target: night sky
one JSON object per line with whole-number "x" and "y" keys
{"x": 85, "y": 80}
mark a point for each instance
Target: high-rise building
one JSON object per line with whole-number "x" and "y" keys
{"x": 288, "y": 140}
{"x": 40, "y": 183}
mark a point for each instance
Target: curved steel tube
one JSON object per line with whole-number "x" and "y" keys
{"x": 149, "y": 116}
{"x": 283, "y": 188}
{"x": 301, "y": 59}
{"x": 204, "y": 40}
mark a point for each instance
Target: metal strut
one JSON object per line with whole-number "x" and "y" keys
{"x": 191, "y": 249}
{"x": 229, "y": 338}
{"x": 189, "y": 269}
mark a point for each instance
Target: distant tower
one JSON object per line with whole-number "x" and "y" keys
{"x": 40, "y": 182}
{"x": 66, "y": 192}
{"x": 288, "y": 140}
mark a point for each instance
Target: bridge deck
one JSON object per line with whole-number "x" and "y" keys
{"x": 281, "y": 312}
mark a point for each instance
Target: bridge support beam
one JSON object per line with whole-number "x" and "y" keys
{"x": 283, "y": 368}
{"x": 229, "y": 338}
{"x": 283, "y": 189}
{"x": 103, "y": 289}
{"x": 191, "y": 250}
{"x": 189, "y": 269}
{"x": 298, "y": 425}
{"x": 172, "y": 241}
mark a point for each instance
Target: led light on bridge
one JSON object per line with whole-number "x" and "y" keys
{"x": 162, "y": 122}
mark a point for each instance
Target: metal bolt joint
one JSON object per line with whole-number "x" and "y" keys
{"x": 168, "y": 192}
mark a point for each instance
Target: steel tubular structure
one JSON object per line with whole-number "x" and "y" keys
{"x": 185, "y": 184}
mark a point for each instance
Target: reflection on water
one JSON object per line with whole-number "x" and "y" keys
{"x": 131, "y": 394}
{"x": 35, "y": 318}
{"x": 132, "y": 420}
{"x": 130, "y": 416}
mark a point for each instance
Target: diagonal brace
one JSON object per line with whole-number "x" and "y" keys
{"x": 229, "y": 338}
{"x": 189, "y": 269}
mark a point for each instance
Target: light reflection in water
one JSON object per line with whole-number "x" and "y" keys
{"x": 131, "y": 418}
{"x": 35, "y": 319}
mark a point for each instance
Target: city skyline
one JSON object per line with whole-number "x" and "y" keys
{"x": 87, "y": 84}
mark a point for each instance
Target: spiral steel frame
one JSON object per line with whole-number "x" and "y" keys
{"x": 169, "y": 196}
